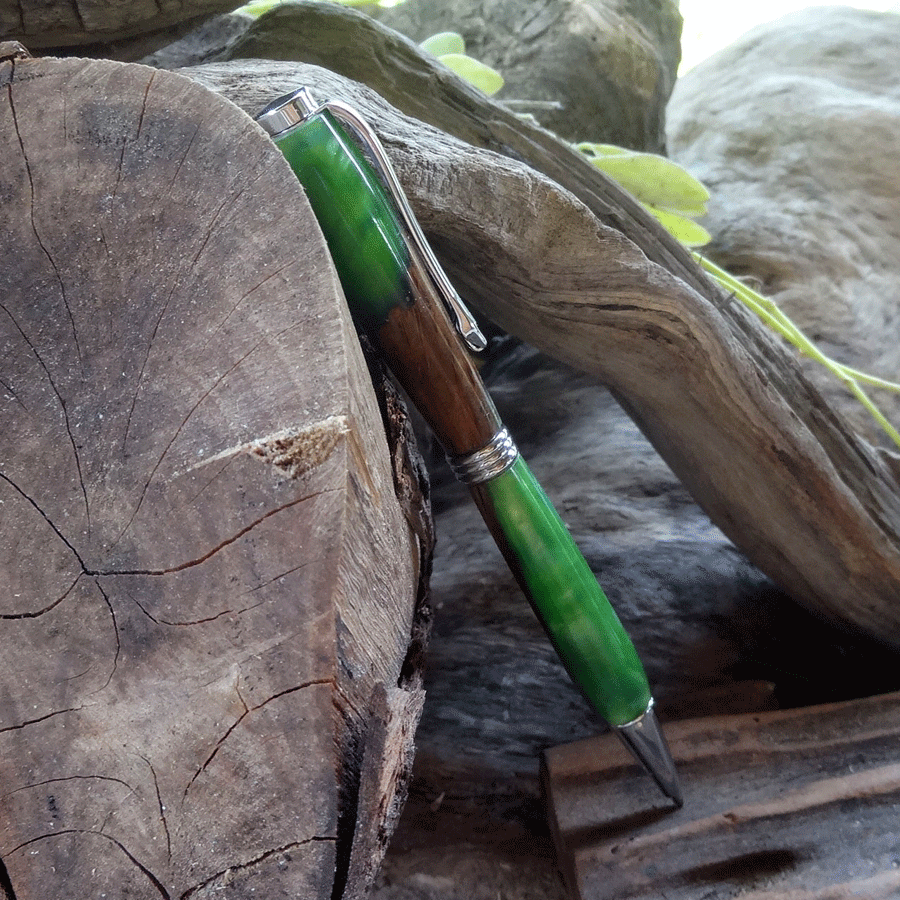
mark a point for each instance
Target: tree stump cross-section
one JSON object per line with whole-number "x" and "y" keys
{"x": 207, "y": 584}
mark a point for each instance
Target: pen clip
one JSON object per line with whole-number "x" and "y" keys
{"x": 287, "y": 114}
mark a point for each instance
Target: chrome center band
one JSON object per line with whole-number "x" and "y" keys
{"x": 490, "y": 461}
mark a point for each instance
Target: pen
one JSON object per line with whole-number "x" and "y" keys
{"x": 400, "y": 296}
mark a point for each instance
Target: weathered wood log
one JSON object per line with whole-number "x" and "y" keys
{"x": 126, "y": 30}
{"x": 785, "y": 477}
{"x": 209, "y": 585}
{"x": 778, "y": 806}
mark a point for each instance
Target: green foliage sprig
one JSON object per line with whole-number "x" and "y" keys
{"x": 770, "y": 313}
{"x": 675, "y": 197}
{"x": 450, "y": 49}
{"x": 670, "y": 193}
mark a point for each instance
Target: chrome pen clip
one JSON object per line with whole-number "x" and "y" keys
{"x": 299, "y": 106}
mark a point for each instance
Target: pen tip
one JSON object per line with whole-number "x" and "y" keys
{"x": 645, "y": 740}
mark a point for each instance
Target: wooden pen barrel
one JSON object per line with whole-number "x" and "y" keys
{"x": 442, "y": 381}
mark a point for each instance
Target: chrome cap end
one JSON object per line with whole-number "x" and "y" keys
{"x": 287, "y": 112}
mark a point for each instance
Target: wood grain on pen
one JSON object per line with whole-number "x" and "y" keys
{"x": 425, "y": 353}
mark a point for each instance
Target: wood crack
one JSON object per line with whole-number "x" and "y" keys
{"x": 161, "y": 807}
{"x": 27, "y": 722}
{"x": 37, "y": 784}
{"x": 224, "y": 612}
{"x": 50, "y": 606}
{"x": 232, "y": 870}
{"x": 46, "y": 518}
{"x": 37, "y": 234}
{"x": 184, "y": 157}
{"x": 242, "y": 298}
{"x": 196, "y": 562}
{"x": 241, "y": 717}
{"x": 115, "y": 624}
{"x": 149, "y": 875}
{"x": 8, "y": 388}
{"x": 65, "y": 412}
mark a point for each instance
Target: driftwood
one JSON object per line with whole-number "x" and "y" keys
{"x": 789, "y": 805}
{"x": 602, "y": 67}
{"x": 474, "y": 820}
{"x": 121, "y": 30}
{"x": 585, "y": 275}
{"x": 208, "y": 583}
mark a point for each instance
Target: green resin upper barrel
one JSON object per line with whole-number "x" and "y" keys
{"x": 355, "y": 214}
{"x": 584, "y": 628}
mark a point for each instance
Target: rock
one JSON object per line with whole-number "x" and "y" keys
{"x": 600, "y": 70}
{"x": 795, "y": 129}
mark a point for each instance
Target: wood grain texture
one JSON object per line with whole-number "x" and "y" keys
{"x": 72, "y": 23}
{"x": 790, "y": 805}
{"x": 575, "y": 268}
{"x": 207, "y": 578}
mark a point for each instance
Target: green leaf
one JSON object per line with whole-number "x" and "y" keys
{"x": 483, "y": 77}
{"x": 444, "y": 42}
{"x": 680, "y": 227}
{"x": 257, "y": 8}
{"x": 653, "y": 179}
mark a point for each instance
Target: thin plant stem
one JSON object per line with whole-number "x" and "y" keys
{"x": 778, "y": 321}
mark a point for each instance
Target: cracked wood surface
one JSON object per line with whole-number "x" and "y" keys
{"x": 559, "y": 256}
{"x": 207, "y": 584}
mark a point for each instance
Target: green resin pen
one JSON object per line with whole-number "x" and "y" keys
{"x": 401, "y": 297}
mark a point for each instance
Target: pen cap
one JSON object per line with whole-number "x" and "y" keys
{"x": 354, "y": 211}
{"x": 396, "y": 290}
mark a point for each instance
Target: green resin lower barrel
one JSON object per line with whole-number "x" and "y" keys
{"x": 583, "y": 627}
{"x": 355, "y": 215}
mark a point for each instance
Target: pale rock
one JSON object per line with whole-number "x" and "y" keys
{"x": 795, "y": 130}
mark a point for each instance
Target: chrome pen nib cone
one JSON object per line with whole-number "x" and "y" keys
{"x": 645, "y": 740}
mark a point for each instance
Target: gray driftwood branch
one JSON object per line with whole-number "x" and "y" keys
{"x": 542, "y": 243}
